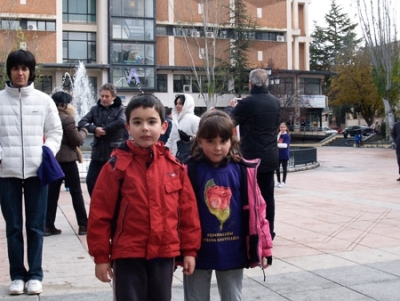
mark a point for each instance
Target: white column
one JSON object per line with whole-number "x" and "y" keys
{"x": 102, "y": 32}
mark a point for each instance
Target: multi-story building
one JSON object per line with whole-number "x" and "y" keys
{"x": 149, "y": 45}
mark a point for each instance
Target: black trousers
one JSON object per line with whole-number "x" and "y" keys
{"x": 72, "y": 181}
{"x": 266, "y": 183}
{"x": 138, "y": 279}
{"x": 398, "y": 158}
{"x": 92, "y": 174}
{"x": 284, "y": 171}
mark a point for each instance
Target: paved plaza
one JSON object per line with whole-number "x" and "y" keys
{"x": 337, "y": 238}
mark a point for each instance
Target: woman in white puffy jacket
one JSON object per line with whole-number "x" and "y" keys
{"x": 183, "y": 119}
{"x": 29, "y": 122}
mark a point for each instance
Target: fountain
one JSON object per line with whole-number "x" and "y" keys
{"x": 81, "y": 90}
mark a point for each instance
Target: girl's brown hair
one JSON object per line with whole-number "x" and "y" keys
{"x": 284, "y": 123}
{"x": 213, "y": 124}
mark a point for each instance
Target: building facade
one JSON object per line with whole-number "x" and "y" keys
{"x": 153, "y": 46}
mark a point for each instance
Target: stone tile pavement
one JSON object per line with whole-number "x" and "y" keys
{"x": 338, "y": 238}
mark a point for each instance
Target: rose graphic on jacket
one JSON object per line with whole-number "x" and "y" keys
{"x": 218, "y": 200}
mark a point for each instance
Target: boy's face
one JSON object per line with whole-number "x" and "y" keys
{"x": 145, "y": 126}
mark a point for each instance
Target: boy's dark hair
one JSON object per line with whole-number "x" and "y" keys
{"x": 212, "y": 124}
{"x": 61, "y": 98}
{"x": 145, "y": 101}
{"x": 168, "y": 111}
{"x": 21, "y": 57}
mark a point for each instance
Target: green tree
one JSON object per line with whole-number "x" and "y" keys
{"x": 334, "y": 42}
{"x": 243, "y": 27}
{"x": 354, "y": 87}
{"x": 333, "y": 45}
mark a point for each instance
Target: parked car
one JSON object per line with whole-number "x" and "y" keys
{"x": 328, "y": 130}
{"x": 334, "y": 127}
{"x": 354, "y": 129}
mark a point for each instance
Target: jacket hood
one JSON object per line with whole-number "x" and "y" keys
{"x": 117, "y": 102}
{"x": 188, "y": 108}
{"x": 69, "y": 110}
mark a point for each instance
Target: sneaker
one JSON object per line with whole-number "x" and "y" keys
{"x": 82, "y": 230}
{"x": 17, "y": 287}
{"x": 49, "y": 231}
{"x": 34, "y": 287}
{"x": 281, "y": 185}
{"x": 277, "y": 184}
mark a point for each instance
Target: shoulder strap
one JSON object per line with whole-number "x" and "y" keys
{"x": 191, "y": 170}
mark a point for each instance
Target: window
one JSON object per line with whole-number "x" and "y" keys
{"x": 162, "y": 83}
{"x": 132, "y": 8}
{"x": 38, "y": 25}
{"x": 133, "y": 77}
{"x": 9, "y": 24}
{"x": 79, "y": 46}
{"x": 83, "y": 11}
{"x": 180, "y": 81}
{"x": 44, "y": 84}
{"x": 132, "y": 38}
{"x": 133, "y": 29}
{"x": 310, "y": 86}
{"x": 134, "y": 54}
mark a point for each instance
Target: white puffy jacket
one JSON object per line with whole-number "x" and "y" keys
{"x": 28, "y": 119}
{"x": 186, "y": 121}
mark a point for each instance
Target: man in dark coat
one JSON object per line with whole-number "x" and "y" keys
{"x": 258, "y": 118}
{"x": 106, "y": 121}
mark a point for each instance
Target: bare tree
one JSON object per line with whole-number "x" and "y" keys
{"x": 377, "y": 18}
{"x": 198, "y": 42}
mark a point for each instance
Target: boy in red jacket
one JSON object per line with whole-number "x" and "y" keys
{"x": 143, "y": 211}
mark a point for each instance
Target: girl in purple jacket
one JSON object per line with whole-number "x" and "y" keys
{"x": 283, "y": 146}
{"x": 235, "y": 232}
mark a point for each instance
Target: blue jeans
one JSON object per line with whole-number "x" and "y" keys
{"x": 35, "y": 196}
{"x": 198, "y": 285}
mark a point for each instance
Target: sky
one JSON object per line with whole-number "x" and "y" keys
{"x": 319, "y": 8}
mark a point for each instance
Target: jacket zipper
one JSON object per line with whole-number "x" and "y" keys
{"x": 22, "y": 134}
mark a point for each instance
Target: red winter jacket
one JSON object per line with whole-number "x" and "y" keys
{"x": 158, "y": 215}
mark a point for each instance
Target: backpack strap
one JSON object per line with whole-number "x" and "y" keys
{"x": 191, "y": 170}
{"x": 112, "y": 161}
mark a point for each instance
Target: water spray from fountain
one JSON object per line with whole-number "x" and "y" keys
{"x": 81, "y": 90}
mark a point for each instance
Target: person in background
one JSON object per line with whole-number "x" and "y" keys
{"x": 258, "y": 118}
{"x": 67, "y": 156}
{"x": 184, "y": 126}
{"x": 106, "y": 120}
{"x": 396, "y": 139}
{"x": 157, "y": 217}
{"x": 284, "y": 154}
{"x": 223, "y": 182}
{"x": 358, "y": 138}
{"x": 168, "y": 118}
{"x": 29, "y": 127}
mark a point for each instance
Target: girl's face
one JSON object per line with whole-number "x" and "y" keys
{"x": 215, "y": 149}
{"x": 179, "y": 105}
{"x": 283, "y": 128}
{"x": 145, "y": 126}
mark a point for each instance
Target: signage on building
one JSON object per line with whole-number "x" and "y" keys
{"x": 313, "y": 101}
